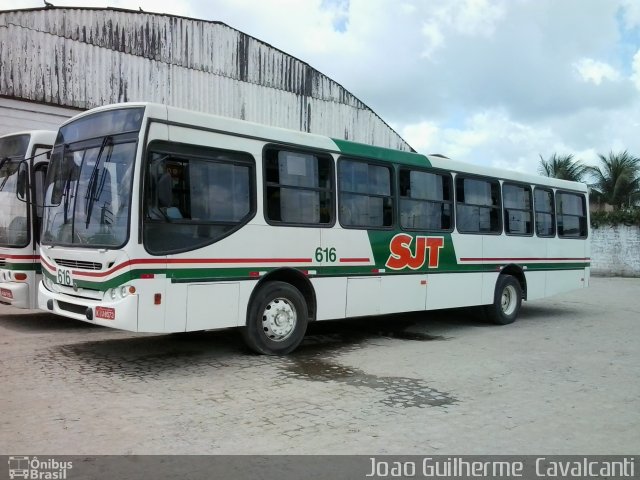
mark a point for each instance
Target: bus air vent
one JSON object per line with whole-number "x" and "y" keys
{"x": 71, "y": 307}
{"x": 79, "y": 264}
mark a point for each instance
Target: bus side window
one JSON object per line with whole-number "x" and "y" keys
{"x": 366, "y": 195}
{"x": 298, "y": 187}
{"x": 571, "y": 215}
{"x": 517, "y": 209}
{"x": 478, "y": 207}
{"x": 425, "y": 201}
{"x": 39, "y": 174}
{"x": 194, "y": 200}
{"x": 545, "y": 212}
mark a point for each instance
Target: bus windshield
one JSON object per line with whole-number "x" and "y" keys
{"x": 13, "y": 214}
{"x": 88, "y": 188}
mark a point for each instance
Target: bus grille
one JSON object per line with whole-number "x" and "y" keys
{"x": 82, "y": 265}
{"x": 72, "y": 307}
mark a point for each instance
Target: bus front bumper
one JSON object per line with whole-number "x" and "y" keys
{"x": 15, "y": 294}
{"x": 121, "y": 313}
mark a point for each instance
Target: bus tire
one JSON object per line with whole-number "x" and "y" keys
{"x": 276, "y": 319}
{"x": 507, "y": 300}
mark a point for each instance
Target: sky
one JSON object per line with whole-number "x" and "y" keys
{"x": 490, "y": 82}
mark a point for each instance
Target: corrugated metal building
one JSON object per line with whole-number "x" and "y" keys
{"x": 56, "y": 61}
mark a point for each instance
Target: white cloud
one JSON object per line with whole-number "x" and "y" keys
{"x": 434, "y": 38}
{"x": 591, "y": 70}
{"x": 488, "y": 138}
{"x": 157, "y": 6}
{"x": 472, "y": 17}
{"x": 423, "y": 136}
{"x": 635, "y": 68}
{"x": 631, "y": 13}
{"x": 494, "y": 139}
{"x": 495, "y": 82}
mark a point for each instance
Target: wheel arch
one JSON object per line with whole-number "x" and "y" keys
{"x": 294, "y": 278}
{"x": 518, "y": 272}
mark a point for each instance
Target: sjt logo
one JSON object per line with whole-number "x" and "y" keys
{"x": 402, "y": 255}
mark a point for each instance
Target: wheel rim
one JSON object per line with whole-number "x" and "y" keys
{"x": 509, "y": 300}
{"x": 279, "y": 319}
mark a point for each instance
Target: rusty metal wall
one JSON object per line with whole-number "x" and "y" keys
{"x": 83, "y": 58}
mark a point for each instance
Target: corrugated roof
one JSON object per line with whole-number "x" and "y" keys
{"x": 87, "y": 57}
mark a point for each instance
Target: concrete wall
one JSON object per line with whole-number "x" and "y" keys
{"x": 16, "y": 116}
{"x": 615, "y": 250}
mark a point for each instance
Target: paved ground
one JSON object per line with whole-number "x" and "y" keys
{"x": 563, "y": 379}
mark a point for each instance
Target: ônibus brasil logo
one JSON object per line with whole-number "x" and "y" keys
{"x": 402, "y": 255}
{"x": 35, "y": 469}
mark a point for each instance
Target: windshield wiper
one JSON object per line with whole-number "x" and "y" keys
{"x": 91, "y": 189}
{"x": 65, "y": 192}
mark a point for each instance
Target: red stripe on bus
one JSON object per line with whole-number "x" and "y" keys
{"x": 171, "y": 261}
{"x": 524, "y": 259}
{"x": 46, "y": 264}
{"x": 353, "y": 260}
{"x": 21, "y": 257}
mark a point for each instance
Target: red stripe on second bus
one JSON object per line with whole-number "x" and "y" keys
{"x": 21, "y": 257}
{"x": 354, "y": 260}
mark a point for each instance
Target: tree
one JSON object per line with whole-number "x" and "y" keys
{"x": 563, "y": 167}
{"x": 617, "y": 180}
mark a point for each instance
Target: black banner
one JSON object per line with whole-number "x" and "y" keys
{"x": 312, "y": 467}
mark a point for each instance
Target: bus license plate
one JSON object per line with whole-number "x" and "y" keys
{"x": 106, "y": 313}
{"x": 63, "y": 277}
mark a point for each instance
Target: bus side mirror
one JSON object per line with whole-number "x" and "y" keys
{"x": 23, "y": 182}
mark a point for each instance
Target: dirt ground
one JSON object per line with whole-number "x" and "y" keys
{"x": 563, "y": 379}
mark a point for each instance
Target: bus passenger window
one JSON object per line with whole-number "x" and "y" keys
{"x": 571, "y": 214}
{"x": 365, "y": 195}
{"x": 545, "y": 213}
{"x": 517, "y": 209}
{"x": 194, "y": 200}
{"x": 478, "y": 205}
{"x": 298, "y": 188}
{"x": 425, "y": 201}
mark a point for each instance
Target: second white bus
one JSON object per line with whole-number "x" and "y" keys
{"x": 24, "y": 157}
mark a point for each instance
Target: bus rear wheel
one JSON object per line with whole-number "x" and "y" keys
{"x": 507, "y": 300}
{"x": 276, "y": 320}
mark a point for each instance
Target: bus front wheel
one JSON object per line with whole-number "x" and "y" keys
{"x": 506, "y": 301}
{"x": 276, "y": 319}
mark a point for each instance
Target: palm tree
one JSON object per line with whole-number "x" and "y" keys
{"x": 617, "y": 179}
{"x": 563, "y": 167}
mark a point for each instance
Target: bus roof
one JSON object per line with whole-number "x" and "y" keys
{"x": 294, "y": 137}
{"x": 37, "y": 136}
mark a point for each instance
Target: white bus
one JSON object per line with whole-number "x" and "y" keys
{"x": 24, "y": 158}
{"x": 165, "y": 220}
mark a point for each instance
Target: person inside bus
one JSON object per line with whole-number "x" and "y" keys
{"x": 164, "y": 208}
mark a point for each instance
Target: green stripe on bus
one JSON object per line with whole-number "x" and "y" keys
{"x": 379, "y": 153}
{"x": 184, "y": 275}
{"x": 23, "y": 266}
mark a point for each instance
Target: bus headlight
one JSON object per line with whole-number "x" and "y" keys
{"x": 127, "y": 290}
{"x": 121, "y": 292}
